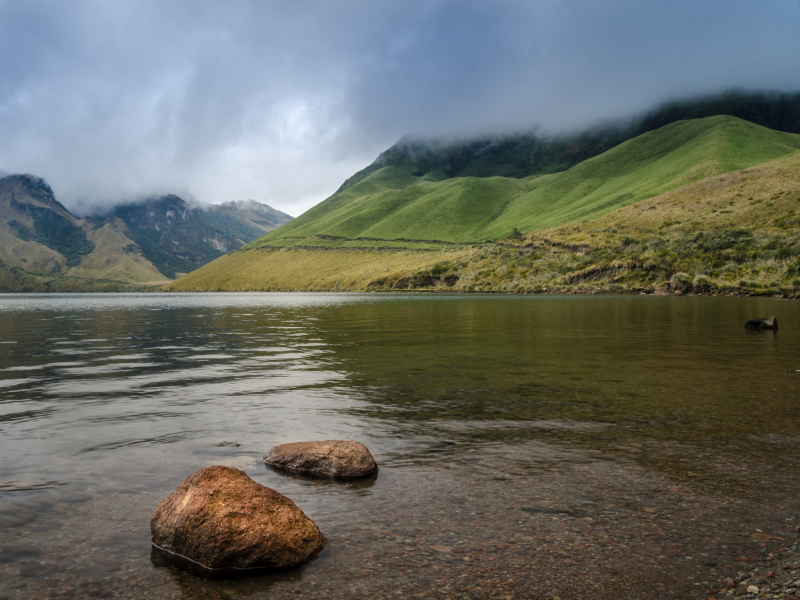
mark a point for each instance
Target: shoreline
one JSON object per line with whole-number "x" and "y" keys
{"x": 443, "y": 292}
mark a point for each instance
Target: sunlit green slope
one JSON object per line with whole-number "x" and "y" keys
{"x": 392, "y": 206}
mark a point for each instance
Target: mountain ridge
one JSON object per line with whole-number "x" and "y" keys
{"x": 257, "y": 214}
{"x": 520, "y": 155}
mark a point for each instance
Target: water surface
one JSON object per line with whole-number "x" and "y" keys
{"x": 529, "y": 446}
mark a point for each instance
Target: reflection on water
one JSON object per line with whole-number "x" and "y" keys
{"x": 107, "y": 402}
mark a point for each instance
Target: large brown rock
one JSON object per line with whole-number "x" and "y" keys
{"x": 332, "y": 458}
{"x": 219, "y": 522}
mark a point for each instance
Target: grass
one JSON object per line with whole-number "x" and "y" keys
{"x": 306, "y": 270}
{"x": 392, "y": 205}
{"x": 646, "y": 166}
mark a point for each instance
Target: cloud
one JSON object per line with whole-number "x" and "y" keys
{"x": 281, "y": 101}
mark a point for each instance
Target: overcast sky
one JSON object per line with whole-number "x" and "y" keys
{"x": 281, "y": 101}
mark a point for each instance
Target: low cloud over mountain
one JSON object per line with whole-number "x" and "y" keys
{"x": 282, "y": 101}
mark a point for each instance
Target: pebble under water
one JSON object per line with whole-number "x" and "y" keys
{"x": 529, "y": 447}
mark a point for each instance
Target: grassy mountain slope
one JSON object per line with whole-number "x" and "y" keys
{"x": 116, "y": 257}
{"x": 303, "y": 270}
{"x": 646, "y": 166}
{"x": 735, "y": 233}
{"x": 392, "y": 206}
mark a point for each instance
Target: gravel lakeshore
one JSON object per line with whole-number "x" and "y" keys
{"x": 532, "y": 520}
{"x": 777, "y": 575}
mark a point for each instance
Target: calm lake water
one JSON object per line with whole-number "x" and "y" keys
{"x": 530, "y": 447}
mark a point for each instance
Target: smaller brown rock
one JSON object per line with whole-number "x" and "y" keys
{"x": 332, "y": 458}
{"x": 219, "y": 522}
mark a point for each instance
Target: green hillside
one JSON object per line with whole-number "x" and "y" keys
{"x": 737, "y": 233}
{"x": 394, "y": 207}
{"x": 643, "y": 167}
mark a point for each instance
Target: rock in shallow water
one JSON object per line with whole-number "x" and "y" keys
{"x": 762, "y": 323}
{"x": 333, "y": 458}
{"x": 219, "y": 522}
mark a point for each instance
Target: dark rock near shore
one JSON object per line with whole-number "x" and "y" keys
{"x": 332, "y": 458}
{"x": 219, "y": 522}
{"x": 762, "y": 323}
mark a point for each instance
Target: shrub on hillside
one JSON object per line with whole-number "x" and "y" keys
{"x": 680, "y": 282}
{"x": 726, "y": 239}
{"x": 701, "y": 283}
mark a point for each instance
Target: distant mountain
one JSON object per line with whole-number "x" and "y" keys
{"x": 41, "y": 242}
{"x": 36, "y": 216}
{"x": 43, "y": 247}
{"x": 179, "y": 237}
{"x": 260, "y": 216}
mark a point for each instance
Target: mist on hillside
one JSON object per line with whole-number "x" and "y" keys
{"x": 284, "y": 102}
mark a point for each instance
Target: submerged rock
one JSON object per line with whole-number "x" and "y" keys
{"x": 762, "y": 323}
{"x": 333, "y": 458}
{"x": 219, "y": 522}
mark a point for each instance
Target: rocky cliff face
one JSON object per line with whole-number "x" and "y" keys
{"x": 179, "y": 237}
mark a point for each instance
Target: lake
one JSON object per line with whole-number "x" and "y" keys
{"x": 529, "y": 446}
